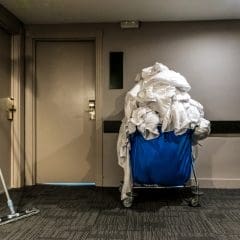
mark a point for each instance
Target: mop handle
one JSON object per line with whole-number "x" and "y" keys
{"x": 4, "y": 185}
{"x": 9, "y": 200}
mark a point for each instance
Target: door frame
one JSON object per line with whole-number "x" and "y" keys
{"x": 30, "y": 95}
{"x": 17, "y": 126}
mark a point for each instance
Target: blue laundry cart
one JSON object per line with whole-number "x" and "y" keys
{"x": 162, "y": 162}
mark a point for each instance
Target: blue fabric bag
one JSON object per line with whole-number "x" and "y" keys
{"x": 165, "y": 160}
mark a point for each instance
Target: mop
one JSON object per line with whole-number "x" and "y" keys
{"x": 14, "y": 216}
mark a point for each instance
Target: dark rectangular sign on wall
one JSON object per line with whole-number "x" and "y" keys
{"x": 116, "y": 70}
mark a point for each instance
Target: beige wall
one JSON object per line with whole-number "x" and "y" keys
{"x": 218, "y": 164}
{"x": 206, "y": 53}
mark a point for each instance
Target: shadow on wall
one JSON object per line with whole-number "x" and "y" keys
{"x": 118, "y": 113}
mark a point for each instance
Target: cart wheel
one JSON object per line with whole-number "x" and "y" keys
{"x": 194, "y": 202}
{"x": 127, "y": 202}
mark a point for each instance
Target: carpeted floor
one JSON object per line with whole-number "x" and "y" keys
{"x": 74, "y": 213}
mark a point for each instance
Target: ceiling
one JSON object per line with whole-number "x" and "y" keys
{"x": 76, "y": 11}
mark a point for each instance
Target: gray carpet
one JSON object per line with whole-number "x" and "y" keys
{"x": 72, "y": 213}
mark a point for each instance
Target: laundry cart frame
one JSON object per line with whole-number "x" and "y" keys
{"x": 194, "y": 201}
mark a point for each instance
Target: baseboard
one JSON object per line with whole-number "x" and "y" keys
{"x": 2, "y": 191}
{"x": 219, "y": 182}
{"x": 204, "y": 183}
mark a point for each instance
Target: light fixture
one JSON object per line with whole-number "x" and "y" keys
{"x": 129, "y": 24}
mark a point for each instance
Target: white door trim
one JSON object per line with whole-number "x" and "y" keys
{"x": 30, "y": 104}
{"x": 17, "y": 126}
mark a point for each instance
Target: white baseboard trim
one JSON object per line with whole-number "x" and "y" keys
{"x": 219, "y": 182}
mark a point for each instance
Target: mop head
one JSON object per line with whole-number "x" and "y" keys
{"x": 17, "y": 216}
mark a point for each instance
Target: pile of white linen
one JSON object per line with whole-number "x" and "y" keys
{"x": 159, "y": 98}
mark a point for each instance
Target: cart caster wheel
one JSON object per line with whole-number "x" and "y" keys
{"x": 194, "y": 202}
{"x": 127, "y": 202}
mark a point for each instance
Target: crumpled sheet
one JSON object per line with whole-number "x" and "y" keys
{"x": 159, "y": 98}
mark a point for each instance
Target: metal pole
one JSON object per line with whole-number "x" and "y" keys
{"x": 9, "y": 201}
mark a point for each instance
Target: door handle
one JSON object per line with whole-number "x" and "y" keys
{"x": 11, "y": 108}
{"x": 91, "y": 109}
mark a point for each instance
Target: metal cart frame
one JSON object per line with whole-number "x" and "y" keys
{"x": 193, "y": 201}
